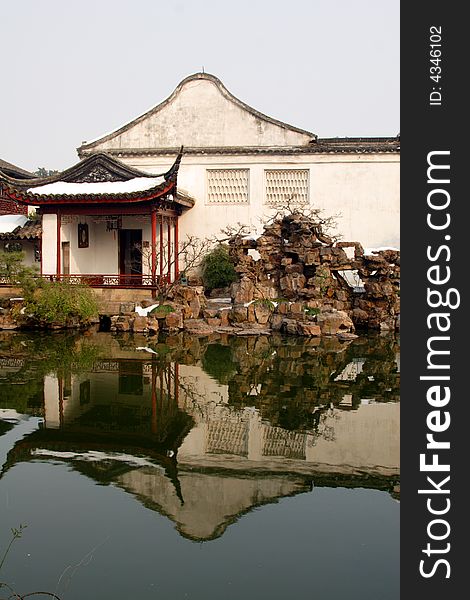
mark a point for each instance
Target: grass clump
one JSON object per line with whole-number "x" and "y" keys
{"x": 162, "y": 310}
{"x": 265, "y": 302}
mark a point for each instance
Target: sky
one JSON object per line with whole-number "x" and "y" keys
{"x": 74, "y": 70}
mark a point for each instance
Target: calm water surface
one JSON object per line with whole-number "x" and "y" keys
{"x": 183, "y": 467}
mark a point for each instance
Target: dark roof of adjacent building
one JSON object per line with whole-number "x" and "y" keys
{"x": 14, "y": 171}
{"x": 358, "y": 145}
{"x": 31, "y": 230}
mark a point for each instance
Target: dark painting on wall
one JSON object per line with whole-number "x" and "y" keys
{"x": 83, "y": 241}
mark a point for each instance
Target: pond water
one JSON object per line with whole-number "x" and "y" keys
{"x": 201, "y": 468}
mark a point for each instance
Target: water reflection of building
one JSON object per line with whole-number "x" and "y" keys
{"x": 352, "y": 440}
{"x": 195, "y": 450}
{"x": 122, "y": 396}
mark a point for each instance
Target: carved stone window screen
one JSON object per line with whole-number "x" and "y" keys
{"x": 228, "y": 186}
{"x": 287, "y": 186}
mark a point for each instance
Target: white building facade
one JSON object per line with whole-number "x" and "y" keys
{"x": 240, "y": 166}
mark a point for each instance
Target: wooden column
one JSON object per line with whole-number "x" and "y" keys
{"x": 58, "y": 268}
{"x": 169, "y": 248}
{"x": 154, "y": 244}
{"x": 161, "y": 247}
{"x": 177, "y": 267}
{"x": 40, "y": 250}
{"x": 61, "y": 401}
{"x": 154, "y": 396}
{"x": 177, "y": 382}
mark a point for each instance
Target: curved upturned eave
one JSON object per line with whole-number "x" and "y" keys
{"x": 99, "y": 158}
{"x": 32, "y": 199}
{"x": 194, "y": 77}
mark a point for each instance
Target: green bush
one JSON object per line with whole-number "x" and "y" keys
{"x": 13, "y": 269}
{"x": 61, "y": 303}
{"x": 218, "y": 269}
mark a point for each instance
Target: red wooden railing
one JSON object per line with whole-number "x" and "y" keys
{"x": 103, "y": 280}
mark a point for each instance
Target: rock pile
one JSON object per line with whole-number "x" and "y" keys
{"x": 314, "y": 283}
{"x": 182, "y": 303}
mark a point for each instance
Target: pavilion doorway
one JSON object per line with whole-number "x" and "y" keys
{"x": 66, "y": 258}
{"x": 130, "y": 256}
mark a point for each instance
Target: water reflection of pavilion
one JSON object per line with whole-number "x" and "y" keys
{"x": 189, "y": 447}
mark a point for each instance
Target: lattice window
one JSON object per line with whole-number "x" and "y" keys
{"x": 228, "y": 186}
{"x": 279, "y": 442}
{"x": 225, "y": 437}
{"x": 287, "y": 186}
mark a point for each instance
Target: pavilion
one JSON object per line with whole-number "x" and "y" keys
{"x": 105, "y": 223}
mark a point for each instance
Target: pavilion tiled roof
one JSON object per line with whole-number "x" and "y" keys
{"x": 88, "y": 181}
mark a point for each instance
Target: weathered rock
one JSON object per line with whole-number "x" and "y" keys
{"x": 276, "y": 322}
{"x": 291, "y": 284}
{"x": 198, "y": 327}
{"x": 122, "y": 325}
{"x": 295, "y": 268}
{"x": 7, "y": 322}
{"x": 346, "y": 336}
{"x": 213, "y": 321}
{"x": 223, "y": 316}
{"x": 313, "y": 257}
{"x": 242, "y": 291}
{"x": 238, "y": 314}
{"x": 195, "y": 305}
{"x": 127, "y": 308}
{"x": 333, "y": 322}
{"x": 139, "y": 324}
{"x": 262, "y": 313}
{"x": 152, "y": 325}
{"x": 174, "y": 320}
{"x": 297, "y": 308}
{"x": 250, "y": 313}
{"x": 302, "y": 264}
{"x": 248, "y": 332}
{"x": 309, "y": 329}
{"x": 290, "y": 326}
{"x": 209, "y": 313}
{"x": 360, "y": 316}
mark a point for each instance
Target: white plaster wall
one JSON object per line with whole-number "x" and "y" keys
{"x": 102, "y": 255}
{"x": 49, "y": 244}
{"x": 367, "y": 437}
{"x": 200, "y": 115}
{"x": 51, "y": 402}
{"x": 364, "y": 189}
{"x": 28, "y": 249}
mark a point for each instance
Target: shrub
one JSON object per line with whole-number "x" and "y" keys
{"x": 13, "y": 269}
{"x": 58, "y": 302}
{"x": 218, "y": 269}
{"x": 61, "y": 303}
